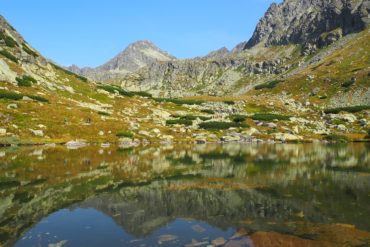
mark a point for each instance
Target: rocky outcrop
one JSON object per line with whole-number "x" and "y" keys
{"x": 218, "y": 54}
{"x": 307, "y": 21}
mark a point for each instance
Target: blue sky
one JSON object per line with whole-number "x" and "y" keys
{"x": 90, "y": 32}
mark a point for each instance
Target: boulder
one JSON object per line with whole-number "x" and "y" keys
{"x": 38, "y": 133}
{"x": 2, "y": 131}
{"x": 286, "y": 137}
{"x": 76, "y": 144}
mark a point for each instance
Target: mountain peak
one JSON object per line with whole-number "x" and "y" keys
{"x": 137, "y": 55}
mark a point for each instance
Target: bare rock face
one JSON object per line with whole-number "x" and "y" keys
{"x": 217, "y": 54}
{"x": 307, "y": 21}
{"x": 136, "y": 56}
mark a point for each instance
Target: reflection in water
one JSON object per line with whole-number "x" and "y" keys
{"x": 231, "y": 195}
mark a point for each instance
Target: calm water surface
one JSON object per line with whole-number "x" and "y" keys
{"x": 186, "y": 195}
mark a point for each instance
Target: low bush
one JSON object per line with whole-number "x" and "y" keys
{"x": 191, "y": 117}
{"x": 10, "y": 95}
{"x": 221, "y": 125}
{"x": 179, "y": 121}
{"x": 229, "y": 102}
{"x": 238, "y": 118}
{"x": 143, "y": 94}
{"x": 9, "y": 41}
{"x": 116, "y": 89}
{"x": 268, "y": 85}
{"x": 125, "y": 134}
{"x": 336, "y": 138}
{"x": 351, "y": 109}
{"x": 209, "y": 111}
{"x": 269, "y": 117}
{"x": 25, "y": 81}
{"x": 8, "y": 55}
{"x": 82, "y": 78}
{"x": 347, "y": 84}
{"x": 29, "y": 51}
{"x": 180, "y": 101}
{"x": 38, "y": 98}
{"x": 103, "y": 113}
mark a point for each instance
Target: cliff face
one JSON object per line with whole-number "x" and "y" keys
{"x": 308, "y": 21}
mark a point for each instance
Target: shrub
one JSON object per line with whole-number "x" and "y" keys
{"x": 116, "y": 89}
{"x": 209, "y": 111}
{"x": 336, "y": 138}
{"x": 29, "y": 51}
{"x": 103, "y": 113}
{"x": 143, "y": 94}
{"x": 269, "y": 117}
{"x": 238, "y": 118}
{"x": 268, "y": 85}
{"x": 352, "y": 109}
{"x": 221, "y": 125}
{"x": 347, "y": 84}
{"x": 37, "y": 98}
{"x": 84, "y": 79}
{"x": 180, "y": 101}
{"x": 9, "y": 41}
{"x": 179, "y": 121}
{"x": 8, "y": 55}
{"x": 229, "y": 102}
{"x": 10, "y": 95}
{"x": 125, "y": 134}
{"x": 191, "y": 117}
{"x": 25, "y": 81}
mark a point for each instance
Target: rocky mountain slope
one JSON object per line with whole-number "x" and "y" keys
{"x": 285, "y": 41}
{"x": 274, "y": 93}
{"x": 137, "y": 55}
{"x": 309, "y": 21}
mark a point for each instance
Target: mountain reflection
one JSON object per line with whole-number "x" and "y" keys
{"x": 254, "y": 187}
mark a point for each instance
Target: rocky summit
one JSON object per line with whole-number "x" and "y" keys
{"x": 137, "y": 55}
{"x": 303, "y": 76}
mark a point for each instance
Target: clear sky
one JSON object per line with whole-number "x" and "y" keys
{"x": 90, "y": 32}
